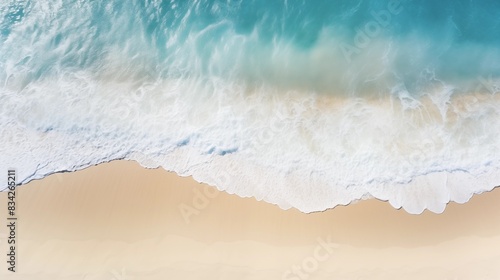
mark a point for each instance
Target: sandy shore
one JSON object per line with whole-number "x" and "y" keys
{"x": 119, "y": 221}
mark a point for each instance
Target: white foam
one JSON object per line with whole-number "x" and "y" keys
{"x": 293, "y": 149}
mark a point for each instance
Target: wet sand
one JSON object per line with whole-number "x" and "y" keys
{"x": 120, "y": 221}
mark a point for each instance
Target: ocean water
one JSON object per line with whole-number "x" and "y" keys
{"x": 305, "y": 104}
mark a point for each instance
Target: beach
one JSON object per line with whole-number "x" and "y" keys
{"x": 120, "y": 221}
{"x": 242, "y": 140}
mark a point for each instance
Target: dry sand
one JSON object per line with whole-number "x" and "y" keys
{"x": 119, "y": 221}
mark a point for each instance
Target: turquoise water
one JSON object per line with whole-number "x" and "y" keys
{"x": 348, "y": 98}
{"x": 307, "y": 44}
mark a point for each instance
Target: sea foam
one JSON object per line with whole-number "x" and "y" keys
{"x": 291, "y": 149}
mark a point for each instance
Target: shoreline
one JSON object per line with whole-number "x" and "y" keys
{"x": 416, "y": 183}
{"x": 334, "y": 156}
{"x": 117, "y": 215}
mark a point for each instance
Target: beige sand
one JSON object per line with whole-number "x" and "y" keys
{"x": 120, "y": 221}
